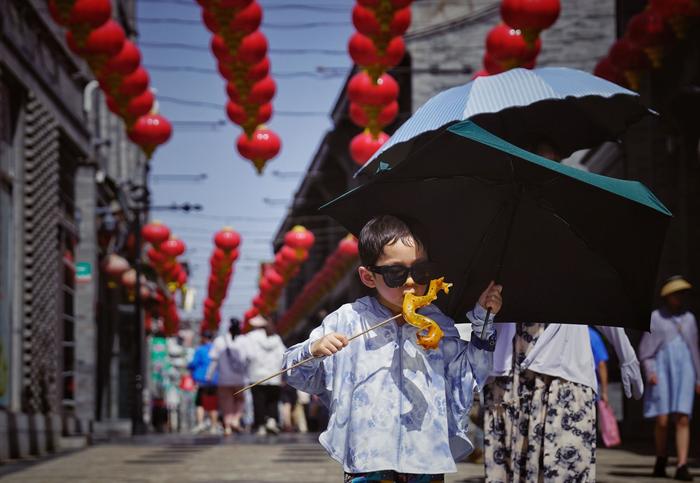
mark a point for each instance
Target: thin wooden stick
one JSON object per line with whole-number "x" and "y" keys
{"x": 313, "y": 357}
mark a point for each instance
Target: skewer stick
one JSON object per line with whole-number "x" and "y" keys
{"x": 313, "y": 357}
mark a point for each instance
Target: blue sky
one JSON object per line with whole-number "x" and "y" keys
{"x": 233, "y": 194}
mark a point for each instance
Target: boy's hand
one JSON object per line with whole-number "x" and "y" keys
{"x": 328, "y": 344}
{"x": 491, "y": 298}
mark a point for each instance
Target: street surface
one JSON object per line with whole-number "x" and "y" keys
{"x": 246, "y": 459}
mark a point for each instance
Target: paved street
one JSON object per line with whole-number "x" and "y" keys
{"x": 289, "y": 458}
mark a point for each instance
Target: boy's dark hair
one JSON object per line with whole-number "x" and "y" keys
{"x": 384, "y": 230}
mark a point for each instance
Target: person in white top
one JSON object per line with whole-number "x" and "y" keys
{"x": 227, "y": 354}
{"x": 539, "y": 420}
{"x": 264, "y": 351}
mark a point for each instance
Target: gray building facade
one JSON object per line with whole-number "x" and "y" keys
{"x": 65, "y": 166}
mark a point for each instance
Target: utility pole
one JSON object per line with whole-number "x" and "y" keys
{"x": 138, "y": 426}
{"x": 141, "y": 205}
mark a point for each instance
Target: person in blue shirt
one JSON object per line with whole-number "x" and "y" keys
{"x": 398, "y": 412}
{"x": 206, "y": 399}
{"x": 600, "y": 359}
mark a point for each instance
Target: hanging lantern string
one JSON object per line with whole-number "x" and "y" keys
{"x": 278, "y": 373}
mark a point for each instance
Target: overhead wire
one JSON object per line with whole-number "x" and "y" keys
{"x": 265, "y": 25}
{"x": 282, "y": 74}
{"x": 206, "y": 48}
{"x": 315, "y": 7}
{"x": 219, "y": 107}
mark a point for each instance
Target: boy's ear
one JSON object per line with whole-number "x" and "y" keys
{"x": 366, "y": 277}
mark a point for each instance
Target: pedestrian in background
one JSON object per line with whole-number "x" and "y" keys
{"x": 264, "y": 352}
{"x": 600, "y": 360}
{"x": 540, "y": 416}
{"x": 227, "y": 355}
{"x": 669, "y": 353}
{"x": 205, "y": 400}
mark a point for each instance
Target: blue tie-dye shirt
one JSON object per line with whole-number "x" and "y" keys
{"x": 393, "y": 404}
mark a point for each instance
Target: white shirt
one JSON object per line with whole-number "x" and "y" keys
{"x": 563, "y": 350}
{"x": 263, "y": 355}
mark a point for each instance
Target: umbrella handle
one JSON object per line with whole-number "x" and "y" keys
{"x": 511, "y": 220}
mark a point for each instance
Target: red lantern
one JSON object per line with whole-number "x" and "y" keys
{"x": 364, "y": 145}
{"x": 362, "y": 90}
{"x": 211, "y": 305}
{"x": 238, "y": 115}
{"x": 264, "y": 285}
{"x": 92, "y": 13}
{"x": 106, "y": 40}
{"x": 139, "y": 106}
{"x": 605, "y": 69}
{"x": 253, "y": 48}
{"x": 155, "y": 233}
{"x": 150, "y": 131}
{"x": 373, "y": 117}
{"x": 155, "y": 256}
{"x": 227, "y": 239}
{"x": 259, "y": 303}
{"x": 210, "y": 22}
{"x": 648, "y": 30}
{"x": 125, "y": 62}
{"x": 400, "y": 21}
{"x": 247, "y": 20}
{"x": 630, "y": 59}
{"x": 174, "y": 247}
{"x": 262, "y": 91}
{"x": 530, "y": 16}
{"x": 299, "y": 238}
{"x": 261, "y": 147}
{"x": 365, "y": 21}
{"x": 134, "y": 83}
{"x": 259, "y": 71}
{"x": 273, "y": 277}
{"x": 365, "y": 53}
{"x": 508, "y": 47}
{"x": 348, "y": 246}
{"x": 491, "y": 65}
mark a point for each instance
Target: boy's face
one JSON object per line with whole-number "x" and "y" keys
{"x": 396, "y": 253}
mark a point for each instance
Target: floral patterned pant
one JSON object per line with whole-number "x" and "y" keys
{"x": 539, "y": 428}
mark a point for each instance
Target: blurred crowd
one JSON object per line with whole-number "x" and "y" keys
{"x": 196, "y": 386}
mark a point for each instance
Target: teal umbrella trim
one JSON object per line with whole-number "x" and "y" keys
{"x": 632, "y": 190}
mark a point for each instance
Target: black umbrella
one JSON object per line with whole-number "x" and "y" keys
{"x": 568, "y": 246}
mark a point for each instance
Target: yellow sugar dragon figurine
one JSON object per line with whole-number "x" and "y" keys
{"x": 429, "y": 333}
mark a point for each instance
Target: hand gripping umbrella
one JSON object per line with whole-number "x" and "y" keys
{"x": 568, "y": 246}
{"x": 568, "y": 108}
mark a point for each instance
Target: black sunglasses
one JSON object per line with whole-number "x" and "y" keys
{"x": 395, "y": 276}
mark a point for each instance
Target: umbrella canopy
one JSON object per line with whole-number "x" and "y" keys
{"x": 568, "y": 108}
{"x": 568, "y": 246}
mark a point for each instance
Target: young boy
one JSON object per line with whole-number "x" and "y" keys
{"x": 398, "y": 412}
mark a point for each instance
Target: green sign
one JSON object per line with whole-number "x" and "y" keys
{"x": 83, "y": 271}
